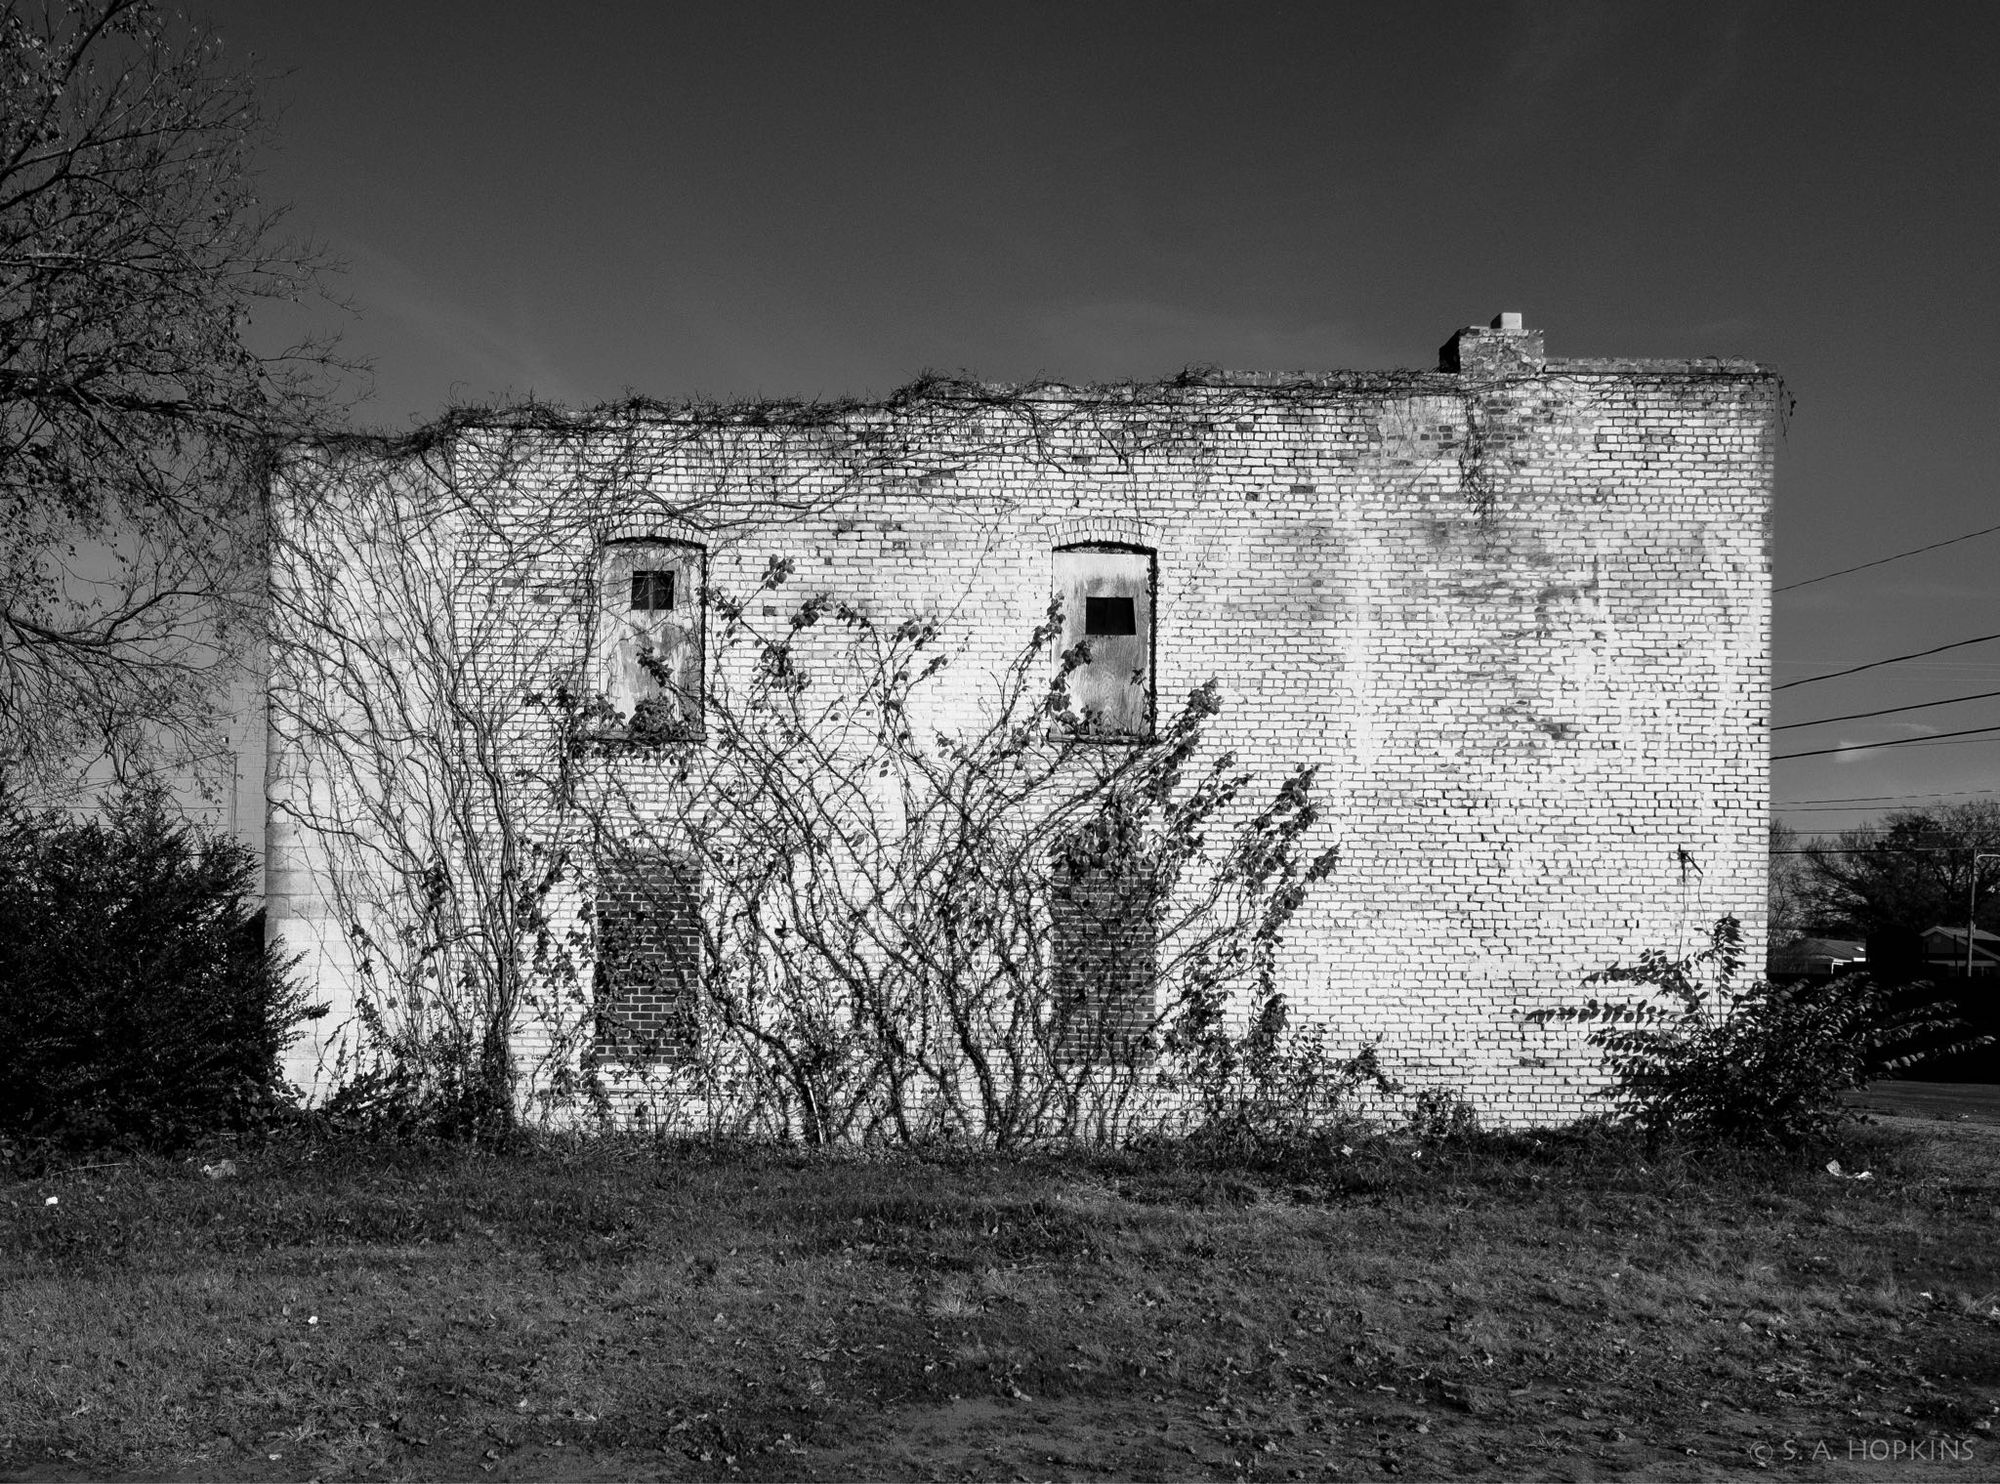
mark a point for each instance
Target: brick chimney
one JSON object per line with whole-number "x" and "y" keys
{"x": 1503, "y": 348}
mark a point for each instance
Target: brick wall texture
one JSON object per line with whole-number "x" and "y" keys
{"x": 1103, "y": 964}
{"x": 1516, "y": 614}
{"x": 644, "y": 910}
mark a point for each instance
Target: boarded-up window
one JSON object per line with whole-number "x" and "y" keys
{"x": 649, "y": 637}
{"x": 1103, "y": 963}
{"x": 1107, "y": 604}
{"x": 648, "y": 957}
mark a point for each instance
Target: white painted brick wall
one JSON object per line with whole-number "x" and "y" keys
{"x": 1531, "y": 666}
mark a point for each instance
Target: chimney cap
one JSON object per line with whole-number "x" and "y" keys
{"x": 1503, "y": 348}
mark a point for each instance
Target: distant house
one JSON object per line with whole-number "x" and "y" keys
{"x": 1818, "y": 956}
{"x": 1944, "y": 951}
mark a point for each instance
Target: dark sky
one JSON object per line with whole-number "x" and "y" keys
{"x": 826, "y": 199}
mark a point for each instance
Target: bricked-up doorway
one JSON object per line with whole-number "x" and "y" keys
{"x": 1104, "y": 929}
{"x": 649, "y": 662}
{"x": 1107, "y": 603}
{"x": 647, "y": 917}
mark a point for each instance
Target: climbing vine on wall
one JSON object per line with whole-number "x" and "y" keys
{"x": 435, "y": 598}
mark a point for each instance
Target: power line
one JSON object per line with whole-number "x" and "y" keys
{"x": 1862, "y": 830}
{"x": 1894, "y": 742}
{"x": 1872, "y": 850}
{"x": 1893, "y": 659}
{"x": 1987, "y": 671}
{"x": 1827, "y": 808}
{"x": 1879, "y": 561}
{"x": 1886, "y": 711}
{"x": 1963, "y": 793}
{"x": 1881, "y": 829}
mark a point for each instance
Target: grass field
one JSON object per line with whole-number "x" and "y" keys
{"x": 1968, "y": 1102}
{"x": 1515, "y": 1308}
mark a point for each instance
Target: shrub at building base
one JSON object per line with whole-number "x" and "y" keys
{"x": 1766, "y": 1066}
{"x": 1270, "y": 1086}
{"x": 139, "y": 1006}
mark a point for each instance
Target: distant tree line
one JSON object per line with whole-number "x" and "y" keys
{"x": 1886, "y": 884}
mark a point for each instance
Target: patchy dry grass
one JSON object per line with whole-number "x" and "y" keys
{"x": 1501, "y": 1307}
{"x": 1960, "y": 1102}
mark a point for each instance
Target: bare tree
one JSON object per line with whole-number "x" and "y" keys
{"x": 135, "y": 409}
{"x": 1789, "y": 878}
{"x": 1911, "y": 873}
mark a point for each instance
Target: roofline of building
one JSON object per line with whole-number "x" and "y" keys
{"x": 792, "y": 412}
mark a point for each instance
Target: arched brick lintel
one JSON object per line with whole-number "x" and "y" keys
{"x": 1113, "y": 530}
{"x": 642, "y": 527}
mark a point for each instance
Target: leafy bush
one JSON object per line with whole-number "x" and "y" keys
{"x": 138, "y": 1003}
{"x": 1766, "y": 1066}
{"x": 1441, "y": 1114}
{"x": 1270, "y": 1084}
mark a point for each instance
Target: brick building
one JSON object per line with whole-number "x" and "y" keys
{"x": 1515, "y": 611}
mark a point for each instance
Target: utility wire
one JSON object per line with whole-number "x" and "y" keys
{"x": 1893, "y": 659}
{"x": 1886, "y": 711}
{"x": 1867, "y": 829}
{"x": 1894, "y": 742}
{"x": 1963, "y": 793}
{"x": 1828, "y": 809}
{"x": 1864, "y": 830}
{"x": 1879, "y": 561}
{"x": 1872, "y": 850}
